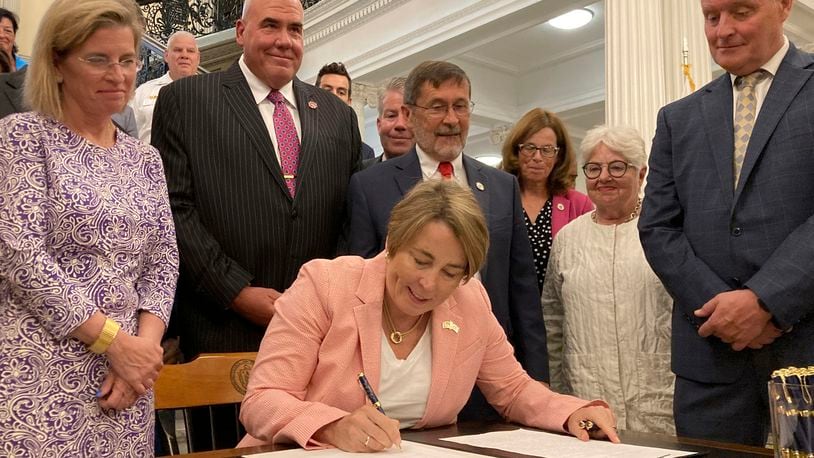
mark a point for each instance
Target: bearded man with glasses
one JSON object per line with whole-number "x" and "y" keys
{"x": 437, "y": 106}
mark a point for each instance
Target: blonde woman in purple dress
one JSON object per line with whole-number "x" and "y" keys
{"x": 88, "y": 261}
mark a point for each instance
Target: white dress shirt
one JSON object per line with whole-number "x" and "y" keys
{"x": 405, "y": 383}
{"x": 761, "y": 88}
{"x": 143, "y": 104}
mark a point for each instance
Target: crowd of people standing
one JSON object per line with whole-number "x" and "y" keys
{"x": 235, "y": 207}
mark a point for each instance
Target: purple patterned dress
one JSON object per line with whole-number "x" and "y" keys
{"x": 81, "y": 228}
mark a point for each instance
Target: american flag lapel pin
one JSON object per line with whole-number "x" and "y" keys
{"x": 451, "y": 326}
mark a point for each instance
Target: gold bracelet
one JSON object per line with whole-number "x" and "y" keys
{"x": 109, "y": 332}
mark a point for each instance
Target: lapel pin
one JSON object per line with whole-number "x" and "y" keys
{"x": 480, "y": 187}
{"x": 312, "y": 105}
{"x": 560, "y": 207}
{"x": 451, "y": 326}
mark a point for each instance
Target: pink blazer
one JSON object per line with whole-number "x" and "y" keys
{"x": 327, "y": 329}
{"x": 567, "y": 208}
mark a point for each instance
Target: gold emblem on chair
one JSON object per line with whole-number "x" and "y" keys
{"x": 240, "y": 374}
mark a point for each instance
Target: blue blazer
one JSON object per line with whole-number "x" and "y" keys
{"x": 702, "y": 236}
{"x": 508, "y": 273}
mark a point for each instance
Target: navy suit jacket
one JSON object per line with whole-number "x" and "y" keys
{"x": 508, "y": 273}
{"x": 367, "y": 152}
{"x": 702, "y": 236}
{"x": 367, "y": 163}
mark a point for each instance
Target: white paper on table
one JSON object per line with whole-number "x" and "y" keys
{"x": 548, "y": 445}
{"x": 408, "y": 450}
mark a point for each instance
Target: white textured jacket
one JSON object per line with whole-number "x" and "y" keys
{"x": 607, "y": 317}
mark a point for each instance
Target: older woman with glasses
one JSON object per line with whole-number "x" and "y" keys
{"x": 88, "y": 260}
{"x": 607, "y": 314}
{"x": 538, "y": 151}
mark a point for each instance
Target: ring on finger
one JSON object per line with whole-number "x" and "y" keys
{"x": 367, "y": 441}
{"x": 587, "y": 425}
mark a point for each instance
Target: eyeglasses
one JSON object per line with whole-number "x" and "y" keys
{"x": 102, "y": 64}
{"x": 527, "y": 150}
{"x": 616, "y": 169}
{"x": 462, "y": 110}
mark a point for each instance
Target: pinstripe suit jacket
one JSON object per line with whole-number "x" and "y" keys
{"x": 236, "y": 222}
{"x": 328, "y": 329}
{"x": 703, "y": 237}
{"x": 508, "y": 273}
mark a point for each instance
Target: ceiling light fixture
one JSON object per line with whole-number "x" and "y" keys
{"x": 573, "y": 19}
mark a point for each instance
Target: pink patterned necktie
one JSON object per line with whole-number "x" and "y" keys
{"x": 445, "y": 169}
{"x": 288, "y": 143}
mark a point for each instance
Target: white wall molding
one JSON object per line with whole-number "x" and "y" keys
{"x": 567, "y": 55}
{"x": 329, "y": 18}
{"x": 492, "y": 64}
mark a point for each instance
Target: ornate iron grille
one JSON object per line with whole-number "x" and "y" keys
{"x": 198, "y": 17}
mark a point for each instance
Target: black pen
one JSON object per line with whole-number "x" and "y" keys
{"x": 369, "y": 392}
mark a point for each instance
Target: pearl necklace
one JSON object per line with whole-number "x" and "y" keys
{"x": 396, "y": 336}
{"x": 630, "y": 218}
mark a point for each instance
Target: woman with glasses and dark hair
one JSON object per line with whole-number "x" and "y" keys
{"x": 88, "y": 260}
{"x": 538, "y": 151}
{"x": 607, "y": 315}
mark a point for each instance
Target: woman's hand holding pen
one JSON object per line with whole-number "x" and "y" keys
{"x": 364, "y": 430}
{"x": 593, "y": 421}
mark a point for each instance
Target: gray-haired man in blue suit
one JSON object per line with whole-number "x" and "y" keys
{"x": 727, "y": 222}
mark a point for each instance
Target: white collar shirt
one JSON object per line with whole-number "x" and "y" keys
{"x": 429, "y": 167}
{"x": 143, "y": 104}
{"x": 761, "y": 88}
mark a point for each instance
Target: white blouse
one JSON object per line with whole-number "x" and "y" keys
{"x": 405, "y": 383}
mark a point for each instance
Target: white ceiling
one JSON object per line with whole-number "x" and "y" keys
{"x": 515, "y": 60}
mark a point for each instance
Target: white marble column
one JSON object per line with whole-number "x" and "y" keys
{"x": 643, "y": 56}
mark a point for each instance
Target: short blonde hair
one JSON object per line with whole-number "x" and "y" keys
{"x": 446, "y": 202}
{"x": 559, "y": 180}
{"x": 65, "y": 26}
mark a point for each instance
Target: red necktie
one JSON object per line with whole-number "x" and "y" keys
{"x": 288, "y": 143}
{"x": 445, "y": 168}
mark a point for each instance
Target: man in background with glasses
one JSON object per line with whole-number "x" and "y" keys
{"x": 437, "y": 107}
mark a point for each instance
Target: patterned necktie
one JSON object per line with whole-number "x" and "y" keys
{"x": 288, "y": 143}
{"x": 745, "y": 111}
{"x": 445, "y": 169}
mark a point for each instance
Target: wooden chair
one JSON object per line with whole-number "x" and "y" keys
{"x": 210, "y": 379}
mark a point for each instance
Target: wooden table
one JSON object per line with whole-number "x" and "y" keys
{"x": 432, "y": 437}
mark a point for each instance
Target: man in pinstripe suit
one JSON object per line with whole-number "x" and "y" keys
{"x": 242, "y": 232}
